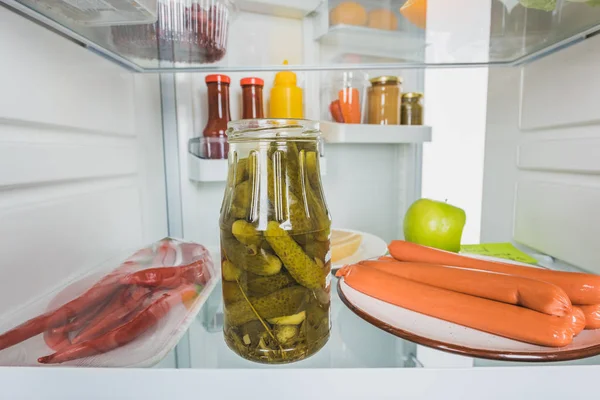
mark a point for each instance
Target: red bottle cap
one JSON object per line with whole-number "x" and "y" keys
{"x": 217, "y": 78}
{"x": 252, "y": 81}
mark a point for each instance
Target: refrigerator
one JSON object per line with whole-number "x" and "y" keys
{"x": 95, "y": 160}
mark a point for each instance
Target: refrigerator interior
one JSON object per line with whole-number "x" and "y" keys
{"x": 94, "y": 161}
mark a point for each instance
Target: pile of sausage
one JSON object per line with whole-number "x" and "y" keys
{"x": 532, "y": 305}
{"x": 121, "y": 306}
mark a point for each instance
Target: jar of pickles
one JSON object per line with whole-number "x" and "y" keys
{"x": 275, "y": 242}
{"x": 411, "y": 112}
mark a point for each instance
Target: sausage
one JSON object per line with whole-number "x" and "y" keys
{"x": 578, "y": 318}
{"x": 520, "y": 291}
{"x": 592, "y": 316}
{"x": 581, "y": 288}
{"x": 497, "y": 318}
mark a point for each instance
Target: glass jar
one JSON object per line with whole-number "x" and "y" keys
{"x": 218, "y": 116}
{"x": 275, "y": 242}
{"x": 252, "y": 98}
{"x": 411, "y": 112}
{"x": 384, "y": 100}
{"x": 344, "y": 97}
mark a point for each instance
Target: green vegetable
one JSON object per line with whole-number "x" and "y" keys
{"x": 230, "y": 271}
{"x": 231, "y": 293}
{"x": 544, "y": 5}
{"x": 295, "y": 319}
{"x": 246, "y": 233}
{"x": 302, "y": 268}
{"x": 240, "y": 205}
{"x": 285, "y": 333}
{"x": 241, "y": 171}
{"x": 283, "y": 302}
{"x": 263, "y": 285}
{"x": 250, "y": 259}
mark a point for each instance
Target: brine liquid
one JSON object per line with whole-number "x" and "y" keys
{"x": 271, "y": 316}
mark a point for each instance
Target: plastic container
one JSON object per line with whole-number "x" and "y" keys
{"x": 100, "y": 13}
{"x": 113, "y": 286}
{"x": 374, "y": 14}
{"x": 344, "y": 97}
{"x": 286, "y": 96}
{"x": 187, "y": 31}
{"x": 275, "y": 242}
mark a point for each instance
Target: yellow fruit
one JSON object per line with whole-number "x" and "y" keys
{"x": 344, "y": 244}
{"x": 348, "y": 12}
{"x": 416, "y": 12}
{"x": 382, "y": 19}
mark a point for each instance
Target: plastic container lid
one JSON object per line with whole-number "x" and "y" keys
{"x": 252, "y": 81}
{"x": 285, "y": 78}
{"x": 217, "y": 78}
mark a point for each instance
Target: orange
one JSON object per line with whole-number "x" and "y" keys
{"x": 348, "y": 12}
{"x": 383, "y": 19}
{"x": 416, "y": 12}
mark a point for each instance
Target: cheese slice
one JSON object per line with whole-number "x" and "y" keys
{"x": 344, "y": 244}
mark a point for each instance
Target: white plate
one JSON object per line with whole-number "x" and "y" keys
{"x": 371, "y": 246}
{"x": 438, "y": 334}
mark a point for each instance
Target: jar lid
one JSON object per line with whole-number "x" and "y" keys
{"x": 386, "y": 79}
{"x": 412, "y": 95}
{"x": 217, "y": 78}
{"x": 252, "y": 81}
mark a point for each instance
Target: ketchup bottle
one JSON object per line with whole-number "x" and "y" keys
{"x": 218, "y": 116}
{"x": 252, "y": 98}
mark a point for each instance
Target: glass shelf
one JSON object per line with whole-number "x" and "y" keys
{"x": 467, "y": 33}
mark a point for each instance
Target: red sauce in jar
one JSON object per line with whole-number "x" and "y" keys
{"x": 218, "y": 116}
{"x": 252, "y": 98}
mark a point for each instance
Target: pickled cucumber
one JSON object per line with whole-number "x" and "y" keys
{"x": 302, "y": 268}
{"x": 254, "y": 260}
{"x": 229, "y": 271}
{"x": 232, "y": 293}
{"x": 240, "y": 204}
{"x": 283, "y": 302}
{"x": 284, "y": 333}
{"x": 313, "y": 170}
{"x": 295, "y": 319}
{"x": 263, "y": 285}
{"x": 246, "y": 233}
{"x": 241, "y": 171}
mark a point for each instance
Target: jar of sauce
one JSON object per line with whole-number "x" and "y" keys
{"x": 252, "y": 98}
{"x": 215, "y": 132}
{"x": 411, "y": 112}
{"x": 384, "y": 100}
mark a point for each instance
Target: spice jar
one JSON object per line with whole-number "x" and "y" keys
{"x": 219, "y": 115}
{"x": 252, "y": 98}
{"x": 275, "y": 242}
{"x": 384, "y": 100}
{"x": 411, "y": 112}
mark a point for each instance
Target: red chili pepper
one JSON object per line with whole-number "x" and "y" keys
{"x": 52, "y": 319}
{"x": 169, "y": 277}
{"x": 125, "y": 333}
{"x": 114, "y": 315}
{"x": 79, "y": 321}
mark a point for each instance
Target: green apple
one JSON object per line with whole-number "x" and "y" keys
{"x": 434, "y": 224}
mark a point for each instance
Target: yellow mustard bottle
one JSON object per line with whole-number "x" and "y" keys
{"x": 286, "y": 97}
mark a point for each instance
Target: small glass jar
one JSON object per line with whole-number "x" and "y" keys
{"x": 411, "y": 112}
{"x": 275, "y": 242}
{"x": 252, "y": 98}
{"x": 384, "y": 100}
{"x": 344, "y": 97}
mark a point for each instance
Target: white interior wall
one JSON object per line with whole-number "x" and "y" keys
{"x": 81, "y": 163}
